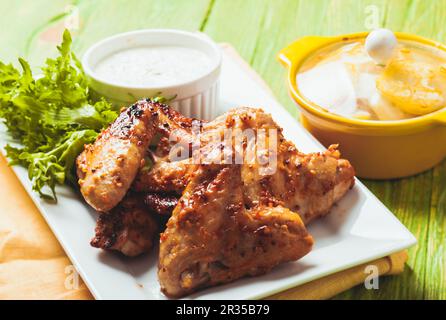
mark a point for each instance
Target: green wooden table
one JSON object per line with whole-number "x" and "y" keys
{"x": 258, "y": 29}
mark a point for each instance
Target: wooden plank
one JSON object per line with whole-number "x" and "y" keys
{"x": 435, "y": 269}
{"x": 45, "y": 21}
{"x": 20, "y": 19}
{"x": 237, "y": 22}
{"x": 105, "y": 18}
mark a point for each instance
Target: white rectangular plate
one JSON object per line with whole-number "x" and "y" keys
{"x": 359, "y": 229}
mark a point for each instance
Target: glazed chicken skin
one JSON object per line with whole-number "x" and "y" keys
{"x": 165, "y": 177}
{"x": 308, "y": 184}
{"x": 129, "y": 228}
{"x": 305, "y": 183}
{"x": 107, "y": 168}
{"x": 212, "y": 238}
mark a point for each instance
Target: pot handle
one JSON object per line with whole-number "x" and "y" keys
{"x": 441, "y": 117}
{"x": 301, "y": 48}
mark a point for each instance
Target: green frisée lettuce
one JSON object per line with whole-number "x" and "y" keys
{"x": 51, "y": 117}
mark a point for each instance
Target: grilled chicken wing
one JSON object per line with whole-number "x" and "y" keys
{"x": 306, "y": 183}
{"x": 107, "y": 168}
{"x": 278, "y": 173}
{"x": 212, "y": 238}
{"x": 129, "y": 228}
{"x": 232, "y": 220}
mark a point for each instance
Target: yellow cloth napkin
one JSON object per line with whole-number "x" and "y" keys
{"x": 34, "y": 266}
{"x": 329, "y": 286}
{"x": 32, "y": 263}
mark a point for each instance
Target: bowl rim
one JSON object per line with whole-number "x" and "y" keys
{"x": 216, "y": 58}
{"x": 438, "y": 116}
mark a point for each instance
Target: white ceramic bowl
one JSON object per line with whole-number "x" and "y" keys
{"x": 194, "y": 98}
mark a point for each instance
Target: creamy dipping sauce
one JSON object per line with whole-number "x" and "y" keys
{"x": 345, "y": 80}
{"x": 153, "y": 66}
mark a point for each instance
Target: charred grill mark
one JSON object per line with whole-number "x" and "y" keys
{"x": 124, "y": 126}
{"x": 128, "y": 228}
{"x": 107, "y": 229}
{"x": 135, "y": 110}
{"x": 126, "y": 121}
{"x": 234, "y": 208}
{"x": 163, "y": 204}
{"x": 175, "y": 116}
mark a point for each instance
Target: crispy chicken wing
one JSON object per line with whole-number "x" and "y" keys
{"x": 212, "y": 238}
{"x": 306, "y": 183}
{"x": 107, "y": 168}
{"x": 129, "y": 228}
{"x": 242, "y": 202}
{"x": 279, "y": 174}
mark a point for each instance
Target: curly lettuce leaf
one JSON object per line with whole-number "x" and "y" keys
{"x": 51, "y": 117}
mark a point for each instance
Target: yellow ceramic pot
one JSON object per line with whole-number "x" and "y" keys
{"x": 377, "y": 149}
